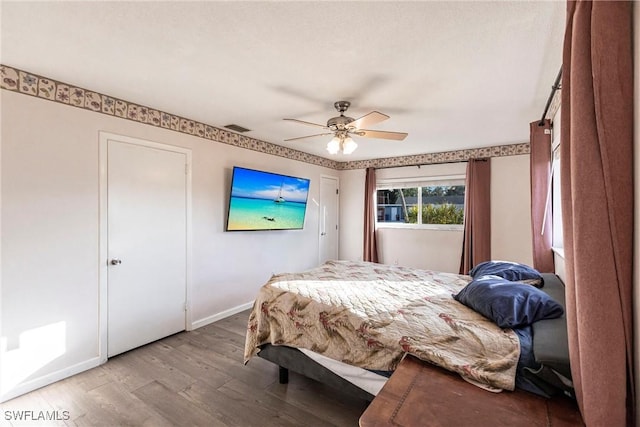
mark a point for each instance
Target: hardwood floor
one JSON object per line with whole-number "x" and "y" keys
{"x": 189, "y": 379}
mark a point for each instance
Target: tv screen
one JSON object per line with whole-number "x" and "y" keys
{"x": 266, "y": 201}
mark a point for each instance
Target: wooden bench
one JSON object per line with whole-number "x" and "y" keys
{"x": 421, "y": 394}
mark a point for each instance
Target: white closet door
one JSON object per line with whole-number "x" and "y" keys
{"x": 328, "y": 218}
{"x": 147, "y": 244}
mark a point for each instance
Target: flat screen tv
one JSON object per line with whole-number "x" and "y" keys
{"x": 266, "y": 201}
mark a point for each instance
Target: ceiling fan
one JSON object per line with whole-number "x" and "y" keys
{"x": 343, "y": 127}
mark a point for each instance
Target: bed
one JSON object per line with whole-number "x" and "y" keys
{"x": 367, "y": 316}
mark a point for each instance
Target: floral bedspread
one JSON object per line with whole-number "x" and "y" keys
{"x": 369, "y": 315}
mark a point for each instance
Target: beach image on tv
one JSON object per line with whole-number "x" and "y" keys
{"x": 266, "y": 201}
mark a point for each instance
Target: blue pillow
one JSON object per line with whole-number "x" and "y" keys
{"x": 508, "y": 270}
{"x": 508, "y": 304}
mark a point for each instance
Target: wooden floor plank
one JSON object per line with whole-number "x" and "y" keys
{"x": 176, "y": 340}
{"x": 222, "y": 342}
{"x": 195, "y": 367}
{"x": 214, "y": 332}
{"x": 252, "y": 397}
{"x": 236, "y": 323}
{"x": 173, "y": 407}
{"x": 259, "y": 372}
{"x": 148, "y": 361}
{"x": 120, "y": 370}
{"x": 336, "y": 408}
{"x": 236, "y": 411}
{"x": 129, "y": 410}
{"x": 91, "y": 379}
{"x": 12, "y": 412}
{"x": 83, "y": 409}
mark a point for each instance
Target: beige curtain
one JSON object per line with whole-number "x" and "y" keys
{"x": 540, "y": 168}
{"x": 476, "y": 243}
{"x": 370, "y": 245}
{"x": 597, "y": 207}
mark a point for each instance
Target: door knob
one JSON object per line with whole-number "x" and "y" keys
{"x": 116, "y": 261}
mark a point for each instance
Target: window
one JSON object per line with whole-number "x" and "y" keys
{"x": 555, "y": 196}
{"x": 429, "y": 202}
{"x": 556, "y": 203}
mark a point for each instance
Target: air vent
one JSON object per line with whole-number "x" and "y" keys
{"x": 237, "y": 128}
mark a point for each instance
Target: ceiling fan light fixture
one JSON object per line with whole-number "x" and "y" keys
{"x": 334, "y": 145}
{"x": 349, "y": 145}
{"x": 341, "y": 127}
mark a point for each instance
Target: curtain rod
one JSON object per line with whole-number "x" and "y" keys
{"x": 484, "y": 159}
{"x": 555, "y": 87}
{"x": 418, "y": 165}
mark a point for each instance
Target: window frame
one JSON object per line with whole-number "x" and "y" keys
{"x": 419, "y": 182}
{"x": 557, "y": 234}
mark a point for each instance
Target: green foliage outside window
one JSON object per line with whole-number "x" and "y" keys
{"x": 438, "y": 204}
{"x": 446, "y": 213}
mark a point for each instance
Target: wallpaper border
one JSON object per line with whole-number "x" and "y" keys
{"x": 434, "y": 158}
{"x": 16, "y": 80}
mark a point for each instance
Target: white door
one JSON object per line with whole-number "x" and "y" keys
{"x": 328, "y": 218}
{"x": 146, "y": 244}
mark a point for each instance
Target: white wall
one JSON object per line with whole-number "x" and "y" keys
{"x": 441, "y": 249}
{"x": 50, "y": 240}
{"x": 511, "y": 209}
{"x": 351, "y": 214}
{"x": 438, "y": 250}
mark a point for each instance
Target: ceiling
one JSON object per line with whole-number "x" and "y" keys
{"x": 453, "y": 75}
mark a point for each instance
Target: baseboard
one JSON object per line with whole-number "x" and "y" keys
{"x": 51, "y": 378}
{"x": 219, "y": 316}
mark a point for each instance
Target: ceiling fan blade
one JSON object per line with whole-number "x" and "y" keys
{"x": 398, "y": 136}
{"x": 307, "y": 123}
{"x": 309, "y": 136}
{"x": 368, "y": 119}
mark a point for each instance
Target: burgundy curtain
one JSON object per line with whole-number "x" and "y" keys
{"x": 370, "y": 246}
{"x": 476, "y": 243}
{"x": 597, "y": 206}
{"x": 540, "y": 168}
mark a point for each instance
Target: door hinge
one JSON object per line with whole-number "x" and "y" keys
{"x": 337, "y": 191}
{"x": 185, "y": 306}
{"x": 186, "y": 168}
